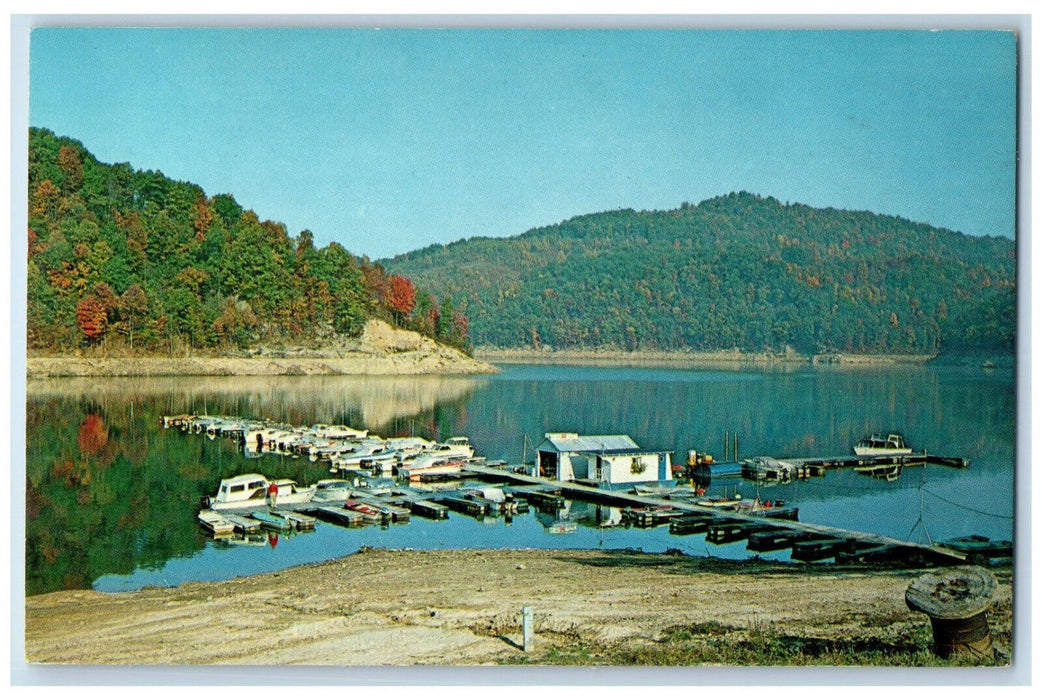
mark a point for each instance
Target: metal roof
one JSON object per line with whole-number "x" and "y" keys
{"x": 589, "y": 443}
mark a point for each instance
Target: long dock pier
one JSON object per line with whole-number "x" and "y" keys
{"x": 770, "y": 469}
{"x": 809, "y": 542}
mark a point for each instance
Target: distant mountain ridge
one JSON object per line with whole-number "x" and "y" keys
{"x": 736, "y": 271}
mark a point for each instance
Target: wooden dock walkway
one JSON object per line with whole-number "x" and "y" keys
{"x": 771, "y": 469}
{"x": 828, "y": 541}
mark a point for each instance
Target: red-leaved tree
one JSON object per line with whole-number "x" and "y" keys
{"x": 92, "y": 318}
{"x": 403, "y": 297}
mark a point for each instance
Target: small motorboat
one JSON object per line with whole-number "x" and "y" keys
{"x": 333, "y": 490}
{"x": 368, "y": 511}
{"x": 724, "y": 501}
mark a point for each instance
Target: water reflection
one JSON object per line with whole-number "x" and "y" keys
{"x": 373, "y": 401}
{"x": 112, "y": 496}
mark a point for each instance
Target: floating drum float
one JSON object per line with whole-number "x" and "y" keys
{"x": 956, "y": 600}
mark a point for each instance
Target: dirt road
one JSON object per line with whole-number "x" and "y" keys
{"x": 378, "y": 607}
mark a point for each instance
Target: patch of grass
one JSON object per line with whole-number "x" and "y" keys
{"x": 715, "y": 645}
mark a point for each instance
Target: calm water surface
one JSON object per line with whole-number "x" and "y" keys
{"x": 111, "y": 497}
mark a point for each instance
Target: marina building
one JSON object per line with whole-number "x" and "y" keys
{"x": 601, "y": 459}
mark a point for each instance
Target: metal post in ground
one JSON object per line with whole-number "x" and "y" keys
{"x": 527, "y": 637}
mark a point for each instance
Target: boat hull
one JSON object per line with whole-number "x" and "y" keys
{"x": 881, "y": 452}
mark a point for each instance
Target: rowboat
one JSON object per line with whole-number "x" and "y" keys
{"x": 272, "y": 520}
{"x": 369, "y": 512}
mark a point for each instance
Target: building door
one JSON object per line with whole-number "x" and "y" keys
{"x": 548, "y": 464}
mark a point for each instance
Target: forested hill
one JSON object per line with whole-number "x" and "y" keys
{"x": 737, "y": 271}
{"x": 133, "y": 260}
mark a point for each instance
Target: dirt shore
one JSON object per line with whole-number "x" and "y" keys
{"x": 463, "y": 608}
{"x": 380, "y": 350}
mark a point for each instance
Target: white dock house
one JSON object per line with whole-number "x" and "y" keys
{"x": 602, "y": 459}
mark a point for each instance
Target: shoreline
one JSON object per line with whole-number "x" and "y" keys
{"x": 448, "y": 362}
{"x": 681, "y": 359}
{"x": 406, "y": 363}
{"x": 462, "y": 608}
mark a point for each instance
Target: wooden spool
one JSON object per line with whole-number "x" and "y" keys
{"x": 956, "y": 600}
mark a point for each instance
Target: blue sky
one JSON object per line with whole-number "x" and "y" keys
{"x": 392, "y": 139}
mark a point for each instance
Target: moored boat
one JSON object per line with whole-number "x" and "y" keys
{"x": 724, "y": 501}
{"x": 272, "y": 520}
{"x": 333, "y": 490}
{"x": 369, "y": 512}
{"x": 247, "y": 491}
{"x": 878, "y": 445}
{"x": 432, "y": 465}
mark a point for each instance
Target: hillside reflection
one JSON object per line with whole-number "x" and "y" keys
{"x": 374, "y": 402}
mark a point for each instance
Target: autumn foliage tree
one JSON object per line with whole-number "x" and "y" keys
{"x": 133, "y": 259}
{"x": 402, "y": 297}
{"x": 92, "y": 318}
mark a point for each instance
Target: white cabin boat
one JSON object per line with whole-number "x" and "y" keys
{"x": 332, "y": 490}
{"x": 457, "y": 448}
{"x": 337, "y": 432}
{"x": 878, "y": 446}
{"x": 430, "y": 465}
{"x": 352, "y": 459}
{"x": 247, "y": 491}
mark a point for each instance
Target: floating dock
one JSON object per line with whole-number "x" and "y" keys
{"x": 243, "y": 523}
{"x": 546, "y": 497}
{"x": 429, "y": 509}
{"x": 816, "y": 542}
{"x": 336, "y": 515}
{"x": 299, "y": 521}
{"x": 772, "y": 529}
{"x": 770, "y": 469}
{"x": 460, "y": 504}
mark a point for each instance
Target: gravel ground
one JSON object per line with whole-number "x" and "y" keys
{"x": 463, "y": 608}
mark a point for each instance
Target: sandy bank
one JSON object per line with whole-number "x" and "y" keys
{"x": 463, "y": 607}
{"x": 679, "y": 359}
{"x": 381, "y": 350}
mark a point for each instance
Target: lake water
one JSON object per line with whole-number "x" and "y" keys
{"x": 111, "y": 497}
